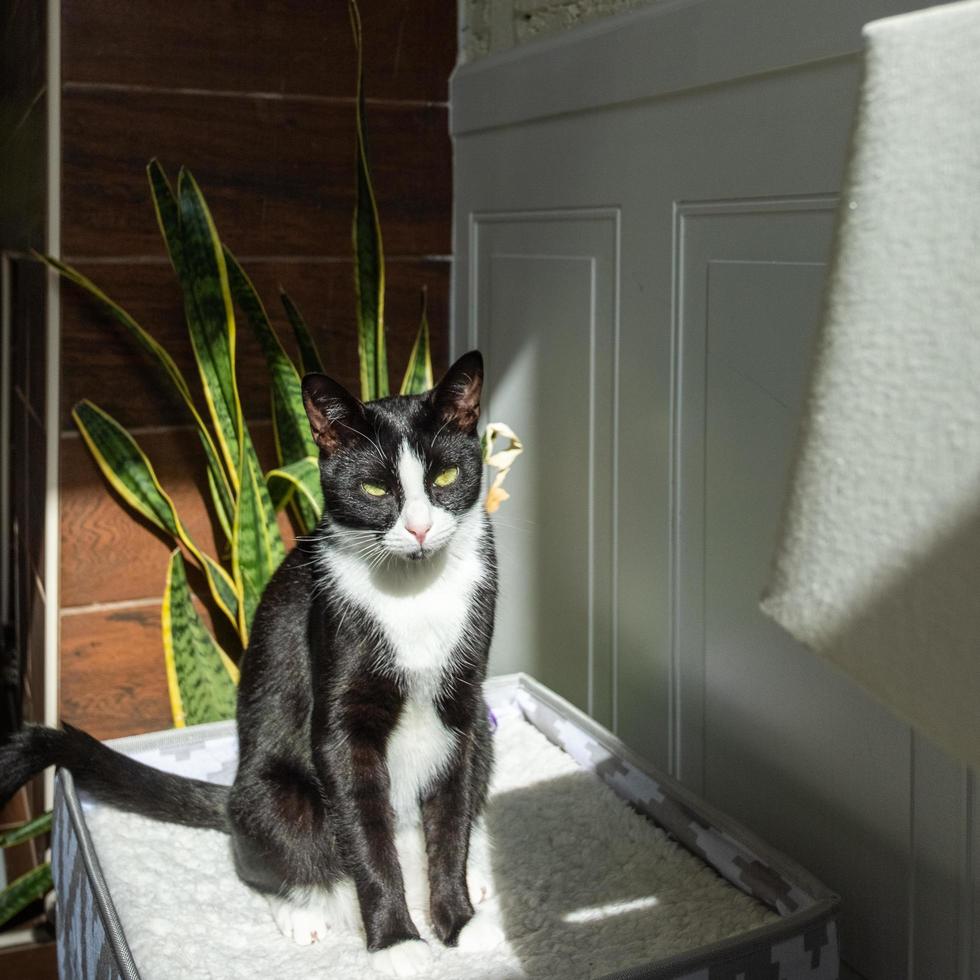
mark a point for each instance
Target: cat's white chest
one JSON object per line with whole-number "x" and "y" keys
{"x": 417, "y": 752}
{"x": 423, "y": 629}
{"x": 421, "y": 610}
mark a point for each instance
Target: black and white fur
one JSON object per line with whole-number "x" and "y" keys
{"x": 365, "y": 750}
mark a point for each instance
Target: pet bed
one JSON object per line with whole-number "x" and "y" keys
{"x": 602, "y": 867}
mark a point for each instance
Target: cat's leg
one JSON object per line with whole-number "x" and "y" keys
{"x": 284, "y": 849}
{"x": 352, "y": 762}
{"x": 452, "y": 825}
{"x": 451, "y": 911}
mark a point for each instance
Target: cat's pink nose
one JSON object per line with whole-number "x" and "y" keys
{"x": 418, "y": 531}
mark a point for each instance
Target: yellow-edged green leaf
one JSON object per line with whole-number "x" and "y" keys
{"x": 200, "y": 675}
{"x": 256, "y": 544}
{"x": 309, "y": 355}
{"x": 22, "y": 891}
{"x": 418, "y": 374}
{"x": 217, "y": 475}
{"x": 131, "y": 475}
{"x": 298, "y": 479}
{"x": 26, "y": 831}
{"x": 291, "y": 428}
{"x": 167, "y": 212}
{"x": 369, "y": 263}
{"x": 223, "y": 518}
{"x": 211, "y": 321}
{"x": 210, "y": 317}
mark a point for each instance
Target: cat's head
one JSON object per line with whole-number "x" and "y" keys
{"x": 399, "y": 474}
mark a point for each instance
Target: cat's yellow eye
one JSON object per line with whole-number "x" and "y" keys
{"x": 446, "y": 477}
{"x": 373, "y": 489}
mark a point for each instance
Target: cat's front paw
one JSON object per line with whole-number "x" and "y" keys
{"x": 448, "y": 918}
{"x": 481, "y": 933}
{"x": 404, "y": 959}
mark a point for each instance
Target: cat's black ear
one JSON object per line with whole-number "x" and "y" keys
{"x": 457, "y": 397}
{"x": 335, "y": 415}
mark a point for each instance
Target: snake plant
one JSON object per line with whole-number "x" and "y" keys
{"x": 244, "y": 500}
{"x": 31, "y": 885}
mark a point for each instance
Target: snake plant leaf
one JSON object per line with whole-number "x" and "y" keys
{"x": 210, "y": 317}
{"x": 418, "y": 374}
{"x": 131, "y": 475}
{"x": 201, "y": 677}
{"x": 256, "y": 543}
{"x": 291, "y": 428}
{"x": 218, "y": 479}
{"x": 22, "y": 891}
{"x": 167, "y": 212}
{"x": 300, "y": 479}
{"x": 26, "y": 831}
{"x": 309, "y": 356}
{"x": 223, "y": 519}
{"x": 369, "y": 263}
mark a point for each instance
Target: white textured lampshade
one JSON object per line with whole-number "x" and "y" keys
{"x": 878, "y": 566}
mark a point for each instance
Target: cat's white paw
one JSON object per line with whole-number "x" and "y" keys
{"x": 405, "y": 959}
{"x": 303, "y": 924}
{"x": 481, "y": 933}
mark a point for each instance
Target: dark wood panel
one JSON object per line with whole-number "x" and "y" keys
{"x": 28, "y": 331}
{"x": 113, "y": 677}
{"x": 113, "y": 680}
{"x": 33, "y": 644}
{"x": 33, "y": 512}
{"x": 278, "y": 174}
{"x": 36, "y": 961}
{"x": 23, "y": 193}
{"x": 107, "y": 553}
{"x": 283, "y": 46}
{"x": 99, "y": 361}
{"x": 325, "y": 295}
{"x": 22, "y": 66}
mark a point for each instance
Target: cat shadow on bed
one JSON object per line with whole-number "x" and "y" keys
{"x": 587, "y": 887}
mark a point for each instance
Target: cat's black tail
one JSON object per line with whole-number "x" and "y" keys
{"x": 110, "y": 776}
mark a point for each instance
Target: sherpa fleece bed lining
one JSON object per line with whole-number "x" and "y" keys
{"x": 821, "y": 910}
{"x": 825, "y": 903}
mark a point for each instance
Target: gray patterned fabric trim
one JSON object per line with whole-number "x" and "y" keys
{"x": 90, "y": 942}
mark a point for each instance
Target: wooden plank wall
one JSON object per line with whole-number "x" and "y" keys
{"x": 256, "y": 100}
{"x": 23, "y": 167}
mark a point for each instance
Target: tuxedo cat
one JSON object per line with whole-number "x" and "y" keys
{"x": 365, "y": 749}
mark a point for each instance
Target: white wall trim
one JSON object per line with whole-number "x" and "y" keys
{"x": 52, "y": 413}
{"x": 611, "y": 216}
{"x": 686, "y": 664}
